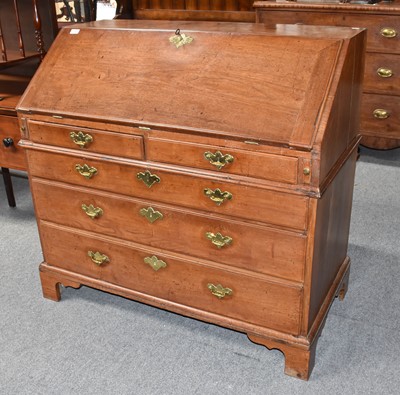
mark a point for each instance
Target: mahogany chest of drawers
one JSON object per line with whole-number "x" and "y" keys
{"x": 202, "y": 170}
{"x": 380, "y": 104}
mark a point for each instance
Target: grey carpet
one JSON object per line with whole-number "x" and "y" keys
{"x": 96, "y": 343}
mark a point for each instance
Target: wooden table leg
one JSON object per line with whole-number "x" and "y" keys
{"x": 9, "y": 186}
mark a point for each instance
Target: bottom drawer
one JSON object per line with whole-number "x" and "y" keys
{"x": 12, "y": 156}
{"x": 274, "y": 305}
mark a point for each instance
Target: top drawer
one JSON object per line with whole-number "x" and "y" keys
{"x": 83, "y": 139}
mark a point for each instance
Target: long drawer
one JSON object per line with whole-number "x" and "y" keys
{"x": 274, "y": 305}
{"x": 234, "y": 243}
{"x": 189, "y": 190}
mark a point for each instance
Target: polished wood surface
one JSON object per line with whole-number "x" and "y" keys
{"x": 217, "y": 186}
{"x": 383, "y": 51}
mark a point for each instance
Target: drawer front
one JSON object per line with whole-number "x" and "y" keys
{"x": 90, "y": 140}
{"x": 380, "y": 116}
{"x": 255, "y": 248}
{"x": 383, "y": 30}
{"x": 188, "y": 190}
{"x": 382, "y": 74}
{"x": 11, "y": 156}
{"x": 253, "y": 300}
{"x": 252, "y": 164}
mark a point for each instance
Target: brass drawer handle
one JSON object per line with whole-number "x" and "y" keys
{"x": 219, "y": 291}
{"x": 218, "y": 239}
{"x": 154, "y": 262}
{"x": 148, "y": 178}
{"x": 217, "y": 196}
{"x": 91, "y": 211}
{"x": 380, "y": 113}
{"x": 86, "y": 171}
{"x": 150, "y": 214}
{"x": 384, "y": 73}
{"x": 98, "y": 258}
{"x": 218, "y": 159}
{"x": 388, "y": 32}
{"x": 81, "y": 139}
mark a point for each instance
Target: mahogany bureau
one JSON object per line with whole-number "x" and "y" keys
{"x": 206, "y": 169}
{"x": 380, "y": 107}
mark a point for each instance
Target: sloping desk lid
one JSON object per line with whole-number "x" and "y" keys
{"x": 241, "y": 80}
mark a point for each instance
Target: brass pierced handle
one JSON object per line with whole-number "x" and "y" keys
{"x": 91, "y": 211}
{"x": 81, "y": 139}
{"x": 218, "y": 239}
{"x": 217, "y": 196}
{"x": 388, "y": 32}
{"x": 86, "y": 170}
{"x": 98, "y": 258}
{"x": 148, "y": 178}
{"x": 380, "y": 113}
{"x": 218, "y": 159}
{"x": 219, "y": 291}
{"x": 150, "y": 214}
{"x": 154, "y": 262}
{"x": 384, "y": 73}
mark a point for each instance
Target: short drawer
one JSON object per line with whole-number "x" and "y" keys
{"x": 233, "y": 243}
{"x": 90, "y": 140}
{"x": 188, "y": 190}
{"x": 274, "y": 305}
{"x": 380, "y": 116}
{"x": 224, "y": 160}
{"x": 382, "y": 74}
{"x": 11, "y": 156}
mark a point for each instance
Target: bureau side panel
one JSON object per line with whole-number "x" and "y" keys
{"x": 331, "y": 235}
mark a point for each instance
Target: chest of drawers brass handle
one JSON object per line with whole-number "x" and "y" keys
{"x": 218, "y": 239}
{"x": 150, "y": 214}
{"x": 154, "y": 262}
{"x": 217, "y": 196}
{"x": 380, "y": 113}
{"x": 91, "y": 211}
{"x": 81, "y": 139}
{"x": 388, "y": 32}
{"x": 384, "y": 73}
{"x": 219, "y": 291}
{"x": 148, "y": 178}
{"x": 86, "y": 170}
{"x": 218, "y": 159}
{"x": 98, "y": 258}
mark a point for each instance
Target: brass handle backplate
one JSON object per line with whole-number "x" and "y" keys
{"x": 154, "y": 262}
{"x": 217, "y": 196}
{"x": 218, "y": 159}
{"x": 98, "y": 258}
{"x": 219, "y": 291}
{"x": 86, "y": 170}
{"x": 384, "y": 73}
{"x": 218, "y": 239}
{"x": 150, "y": 214}
{"x": 148, "y": 178}
{"x": 180, "y": 39}
{"x": 380, "y": 113}
{"x": 91, "y": 211}
{"x": 388, "y": 32}
{"x": 81, "y": 139}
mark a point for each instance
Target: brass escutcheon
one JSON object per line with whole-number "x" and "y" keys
{"x": 98, "y": 258}
{"x": 384, "y": 73}
{"x": 219, "y": 291}
{"x": 81, "y": 139}
{"x": 217, "y": 196}
{"x": 154, "y": 262}
{"x": 86, "y": 170}
{"x": 148, "y": 178}
{"x": 388, "y": 32}
{"x": 91, "y": 211}
{"x": 218, "y": 239}
{"x": 218, "y": 159}
{"x": 380, "y": 113}
{"x": 150, "y": 214}
{"x": 180, "y": 39}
